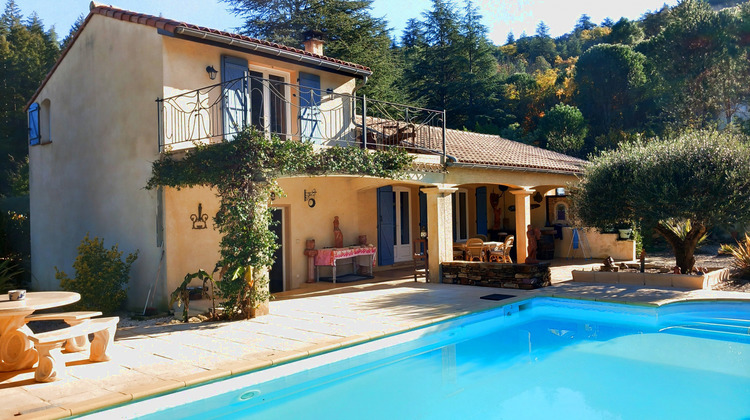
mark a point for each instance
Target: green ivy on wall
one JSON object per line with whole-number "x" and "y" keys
{"x": 244, "y": 173}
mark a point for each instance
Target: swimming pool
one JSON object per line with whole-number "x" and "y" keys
{"x": 539, "y": 358}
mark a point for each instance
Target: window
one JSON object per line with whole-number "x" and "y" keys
{"x": 45, "y": 131}
{"x": 460, "y": 216}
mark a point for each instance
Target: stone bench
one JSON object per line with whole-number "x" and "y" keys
{"x": 80, "y": 343}
{"x": 49, "y": 345}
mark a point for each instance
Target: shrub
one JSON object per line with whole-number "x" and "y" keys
{"x": 8, "y": 273}
{"x": 101, "y": 276}
{"x": 741, "y": 254}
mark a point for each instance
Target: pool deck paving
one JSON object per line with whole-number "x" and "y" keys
{"x": 153, "y": 359}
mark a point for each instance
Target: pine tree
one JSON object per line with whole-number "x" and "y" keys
{"x": 73, "y": 29}
{"x": 27, "y": 52}
{"x": 472, "y": 93}
{"x": 350, "y": 32}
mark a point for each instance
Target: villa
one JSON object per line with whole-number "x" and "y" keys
{"x": 130, "y": 87}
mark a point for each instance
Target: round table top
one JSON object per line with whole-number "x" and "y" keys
{"x": 37, "y": 300}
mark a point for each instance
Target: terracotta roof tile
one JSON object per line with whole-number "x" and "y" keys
{"x": 470, "y": 148}
{"x": 486, "y": 149}
{"x": 170, "y": 25}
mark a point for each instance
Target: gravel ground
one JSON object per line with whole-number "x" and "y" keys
{"x": 706, "y": 256}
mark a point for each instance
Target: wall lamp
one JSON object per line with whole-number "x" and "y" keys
{"x": 211, "y": 72}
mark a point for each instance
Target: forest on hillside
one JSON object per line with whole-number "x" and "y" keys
{"x": 671, "y": 70}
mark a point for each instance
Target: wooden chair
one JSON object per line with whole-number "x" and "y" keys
{"x": 419, "y": 255}
{"x": 475, "y": 249}
{"x": 502, "y": 253}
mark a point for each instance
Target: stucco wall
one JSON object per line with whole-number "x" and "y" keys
{"x": 352, "y": 199}
{"x": 103, "y": 131}
{"x": 602, "y": 245}
{"x": 184, "y": 70}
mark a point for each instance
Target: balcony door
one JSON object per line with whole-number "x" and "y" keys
{"x": 269, "y": 101}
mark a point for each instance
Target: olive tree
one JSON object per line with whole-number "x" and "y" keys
{"x": 702, "y": 177}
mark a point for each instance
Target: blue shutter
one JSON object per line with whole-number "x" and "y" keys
{"x": 34, "y": 124}
{"x": 422, "y": 210}
{"x": 235, "y": 94}
{"x": 386, "y": 226}
{"x": 309, "y": 107}
{"x": 481, "y": 196}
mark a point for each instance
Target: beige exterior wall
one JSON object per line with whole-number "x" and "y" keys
{"x": 104, "y": 137}
{"x": 184, "y": 70}
{"x": 103, "y": 132}
{"x": 597, "y": 245}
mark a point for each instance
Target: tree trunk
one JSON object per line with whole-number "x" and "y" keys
{"x": 683, "y": 248}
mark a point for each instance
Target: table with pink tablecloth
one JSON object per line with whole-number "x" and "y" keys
{"x": 329, "y": 256}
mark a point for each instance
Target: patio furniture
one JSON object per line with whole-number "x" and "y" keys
{"x": 329, "y": 256}
{"x": 480, "y": 236}
{"x": 419, "y": 256}
{"x": 49, "y": 345}
{"x": 16, "y": 349}
{"x": 475, "y": 249}
{"x": 502, "y": 253}
{"x": 80, "y": 343}
{"x": 459, "y": 251}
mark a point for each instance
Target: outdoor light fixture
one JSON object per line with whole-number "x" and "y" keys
{"x": 422, "y": 231}
{"x": 211, "y": 72}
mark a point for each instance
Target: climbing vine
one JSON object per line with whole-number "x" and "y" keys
{"x": 244, "y": 172}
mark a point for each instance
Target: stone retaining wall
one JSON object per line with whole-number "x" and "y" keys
{"x": 513, "y": 276}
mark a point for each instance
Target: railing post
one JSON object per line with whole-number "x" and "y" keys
{"x": 444, "y": 153}
{"x": 245, "y": 99}
{"x": 159, "y": 125}
{"x": 364, "y": 121}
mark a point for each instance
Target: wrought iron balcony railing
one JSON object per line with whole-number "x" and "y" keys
{"x": 295, "y": 112}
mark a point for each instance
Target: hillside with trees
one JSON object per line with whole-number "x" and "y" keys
{"x": 671, "y": 70}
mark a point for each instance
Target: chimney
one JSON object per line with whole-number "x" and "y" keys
{"x": 314, "y": 42}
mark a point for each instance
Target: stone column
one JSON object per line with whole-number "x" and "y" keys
{"x": 523, "y": 219}
{"x": 439, "y": 228}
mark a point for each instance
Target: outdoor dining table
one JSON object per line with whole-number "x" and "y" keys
{"x": 486, "y": 247}
{"x": 16, "y": 350}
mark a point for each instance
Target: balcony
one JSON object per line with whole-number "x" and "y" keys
{"x": 294, "y": 112}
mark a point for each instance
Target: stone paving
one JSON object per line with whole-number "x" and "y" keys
{"x": 147, "y": 360}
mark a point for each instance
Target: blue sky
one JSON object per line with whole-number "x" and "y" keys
{"x": 500, "y": 16}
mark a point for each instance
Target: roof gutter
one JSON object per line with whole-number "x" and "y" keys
{"x": 512, "y": 168}
{"x": 195, "y": 33}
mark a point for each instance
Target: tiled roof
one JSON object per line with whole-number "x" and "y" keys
{"x": 470, "y": 148}
{"x": 486, "y": 149}
{"x": 170, "y": 26}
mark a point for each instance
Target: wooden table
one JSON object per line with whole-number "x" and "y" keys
{"x": 329, "y": 256}
{"x": 16, "y": 350}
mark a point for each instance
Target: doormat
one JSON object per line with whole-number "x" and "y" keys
{"x": 496, "y": 296}
{"x": 346, "y": 278}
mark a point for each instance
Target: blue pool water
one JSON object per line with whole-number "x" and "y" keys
{"x": 542, "y": 358}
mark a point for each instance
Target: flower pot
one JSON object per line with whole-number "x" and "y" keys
{"x": 625, "y": 233}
